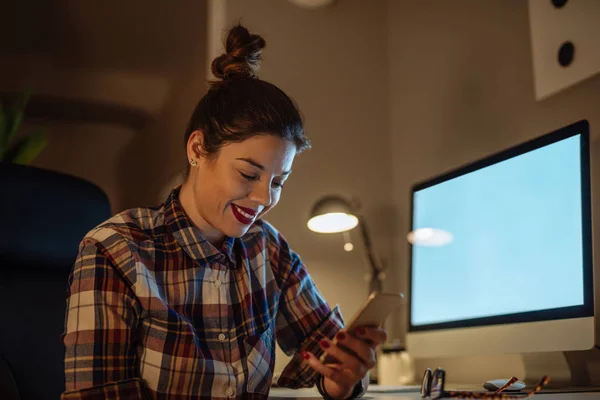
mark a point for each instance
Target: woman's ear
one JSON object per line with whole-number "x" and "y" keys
{"x": 195, "y": 145}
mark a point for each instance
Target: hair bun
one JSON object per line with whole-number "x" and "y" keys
{"x": 242, "y": 57}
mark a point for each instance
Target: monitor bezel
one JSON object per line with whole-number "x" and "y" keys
{"x": 585, "y": 310}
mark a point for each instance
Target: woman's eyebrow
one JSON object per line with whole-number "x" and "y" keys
{"x": 259, "y": 166}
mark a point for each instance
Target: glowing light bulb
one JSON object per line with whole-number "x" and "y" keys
{"x": 332, "y": 223}
{"x": 431, "y": 237}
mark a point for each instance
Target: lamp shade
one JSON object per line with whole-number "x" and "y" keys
{"x": 332, "y": 214}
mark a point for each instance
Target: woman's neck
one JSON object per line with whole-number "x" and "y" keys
{"x": 191, "y": 208}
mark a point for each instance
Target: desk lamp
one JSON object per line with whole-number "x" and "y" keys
{"x": 336, "y": 214}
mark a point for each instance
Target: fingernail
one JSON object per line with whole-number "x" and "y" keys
{"x": 305, "y": 355}
{"x": 341, "y": 336}
{"x": 361, "y": 331}
{"x": 324, "y": 344}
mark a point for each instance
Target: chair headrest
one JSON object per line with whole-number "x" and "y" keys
{"x": 44, "y": 215}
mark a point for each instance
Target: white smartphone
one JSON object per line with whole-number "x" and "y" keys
{"x": 373, "y": 313}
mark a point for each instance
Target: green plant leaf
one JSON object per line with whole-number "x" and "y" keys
{"x": 27, "y": 148}
{"x": 21, "y": 102}
{"x": 16, "y": 122}
{"x": 17, "y": 114}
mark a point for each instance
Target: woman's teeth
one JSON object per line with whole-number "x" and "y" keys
{"x": 245, "y": 214}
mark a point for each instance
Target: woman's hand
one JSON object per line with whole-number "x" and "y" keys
{"x": 355, "y": 355}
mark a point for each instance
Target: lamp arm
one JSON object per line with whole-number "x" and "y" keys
{"x": 374, "y": 260}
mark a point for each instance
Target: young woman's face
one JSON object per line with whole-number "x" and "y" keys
{"x": 224, "y": 195}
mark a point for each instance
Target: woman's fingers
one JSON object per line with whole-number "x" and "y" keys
{"x": 332, "y": 371}
{"x": 355, "y": 353}
{"x": 348, "y": 361}
{"x": 359, "y": 347}
{"x": 377, "y": 336}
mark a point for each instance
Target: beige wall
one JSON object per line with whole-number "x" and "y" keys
{"x": 149, "y": 56}
{"x": 333, "y": 62}
{"x": 461, "y": 88}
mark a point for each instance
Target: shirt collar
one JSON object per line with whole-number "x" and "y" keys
{"x": 188, "y": 235}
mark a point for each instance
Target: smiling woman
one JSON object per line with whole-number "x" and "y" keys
{"x": 224, "y": 195}
{"x": 188, "y": 299}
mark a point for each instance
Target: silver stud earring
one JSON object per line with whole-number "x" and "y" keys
{"x": 193, "y": 162}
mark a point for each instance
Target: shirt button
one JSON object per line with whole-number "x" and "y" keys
{"x": 229, "y": 392}
{"x": 221, "y": 337}
{"x": 217, "y": 283}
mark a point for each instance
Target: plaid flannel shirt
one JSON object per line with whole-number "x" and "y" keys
{"x": 154, "y": 311}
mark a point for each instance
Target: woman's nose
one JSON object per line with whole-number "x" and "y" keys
{"x": 261, "y": 195}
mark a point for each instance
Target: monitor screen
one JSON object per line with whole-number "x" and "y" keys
{"x": 515, "y": 239}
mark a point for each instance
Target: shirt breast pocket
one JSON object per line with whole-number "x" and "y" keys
{"x": 259, "y": 361}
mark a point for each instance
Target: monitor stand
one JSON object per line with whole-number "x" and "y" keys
{"x": 568, "y": 371}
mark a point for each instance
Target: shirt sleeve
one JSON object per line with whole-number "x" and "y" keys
{"x": 101, "y": 316}
{"x": 304, "y": 318}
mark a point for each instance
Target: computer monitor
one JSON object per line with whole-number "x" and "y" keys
{"x": 502, "y": 256}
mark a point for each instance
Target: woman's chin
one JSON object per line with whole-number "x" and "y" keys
{"x": 236, "y": 231}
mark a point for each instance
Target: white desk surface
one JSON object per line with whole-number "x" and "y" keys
{"x": 281, "y": 393}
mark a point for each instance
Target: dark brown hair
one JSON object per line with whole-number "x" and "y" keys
{"x": 239, "y": 105}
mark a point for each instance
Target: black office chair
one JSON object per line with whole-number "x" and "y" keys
{"x": 43, "y": 217}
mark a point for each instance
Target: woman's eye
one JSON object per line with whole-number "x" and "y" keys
{"x": 249, "y": 177}
{"x": 253, "y": 178}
